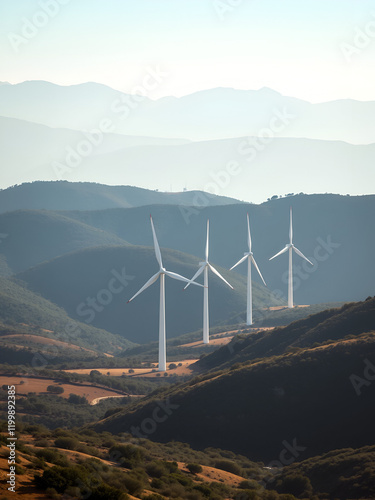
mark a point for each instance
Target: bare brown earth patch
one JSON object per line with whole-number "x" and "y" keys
{"x": 39, "y": 386}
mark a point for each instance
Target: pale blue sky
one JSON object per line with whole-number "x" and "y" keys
{"x": 293, "y": 46}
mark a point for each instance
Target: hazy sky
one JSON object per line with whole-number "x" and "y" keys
{"x": 317, "y": 50}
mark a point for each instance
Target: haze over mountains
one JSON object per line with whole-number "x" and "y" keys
{"x": 73, "y": 253}
{"x": 204, "y": 115}
{"x": 223, "y": 141}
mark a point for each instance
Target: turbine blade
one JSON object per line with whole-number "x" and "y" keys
{"x": 257, "y": 268}
{"x": 156, "y": 245}
{"x": 291, "y": 226}
{"x": 200, "y": 271}
{"x": 239, "y": 262}
{"x": 207, "y": 239}
{"x": 298, "y": 252}
{"x": 248, "y": 233}
{"x": 281, "y": 251}
{"x": 146, "y": 285}
{"x": 181, "y": 278}
{"x": 220, "y": 276}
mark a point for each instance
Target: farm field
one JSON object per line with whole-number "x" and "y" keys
{"x": 180, "y": 371}
{"x": 39, "y": 386}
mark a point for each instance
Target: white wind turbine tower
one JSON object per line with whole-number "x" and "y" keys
{"x": 250, "y": 260}
{"x": 291, "y": 247}
{"x": 204, "y": 266}
{"x": 161, "y": 273}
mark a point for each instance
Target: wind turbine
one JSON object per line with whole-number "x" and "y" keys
{"x": 250, "y": 260}
{"x": 161, "y": 273}
{"x": 204, "y": 267}
{"x": 291, "y": 247}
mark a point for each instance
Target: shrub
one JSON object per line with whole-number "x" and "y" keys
{"x": 52, "y": 456}
{"x": 42, "y": 443}
{"x": 66, "y": 442}
{"x": 105, "y": 492}
{"x": 172, "y": 366}
{"x": 61, "y": 477}
{"x": 295, "y": 484}
{"x": 77, "y": 400}
{"x": 204, "y": 489}
{"x": 132, "y": 484}
{"x": 155, "y": 469}
{"x": 55, "y": 389}
{"x": 248, "y": 485}
{"x": 252, "y": 495}
{"x": 228, "y": 466}
{"x": 127, "y": 455}
{"x": 194, "y": 468}
{"x": 171, "y": 466}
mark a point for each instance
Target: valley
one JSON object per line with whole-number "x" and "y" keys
{"x": 187, "y": 235}
{"x": 252, "y": 414}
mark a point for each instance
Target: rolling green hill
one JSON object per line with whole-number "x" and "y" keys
{"x": 330, "y": 324}
{"x": 338, "y": 228}
{"x": 318, "y": 398}
{"x": 74, "y": 281}
{"x": 328, "y": 229}
{"x": 32, "y": 237}
{"x": 63, "y": 195}
{"x": 18, "y": 305}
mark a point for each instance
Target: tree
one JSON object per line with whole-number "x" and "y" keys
{"x": 55, "y": 389}
{"x": 194, "y": 468}
{"x": 77, "y": 400}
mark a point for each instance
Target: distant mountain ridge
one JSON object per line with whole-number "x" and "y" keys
{"x": 208, "y": 114}
{"x": 221, "y": 166}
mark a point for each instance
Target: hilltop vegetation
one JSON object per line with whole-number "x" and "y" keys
{"x": 63, "y": 195}
{"x": 60, "y": 463}
{"x": 326, "y": 326}
{"x": 320, "y": 395}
